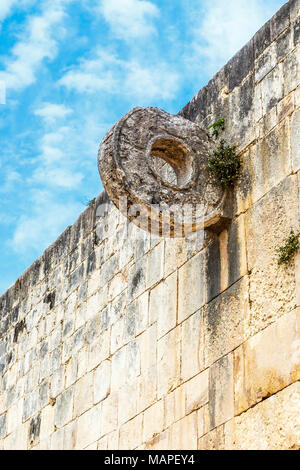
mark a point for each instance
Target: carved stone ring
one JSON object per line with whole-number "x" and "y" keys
{"x": 153, "y": 166}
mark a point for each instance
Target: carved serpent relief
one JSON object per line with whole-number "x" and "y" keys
{"x": 153, "y": 166}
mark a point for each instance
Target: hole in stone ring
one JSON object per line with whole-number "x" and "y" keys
{"x": 172, "y": 162}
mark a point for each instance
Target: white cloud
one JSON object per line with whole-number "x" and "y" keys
{"x": 158, "y": 81}
{"x": 107, "y": 73}
{"x": 129, "y": 19}
{"x": 92, "y": 75}
{"x": 47, "y": 218}
{"x": 5, "y": 8}
{"x": 8, "y": 6}
{"x": 225, "y": 28}
{"x": 11, "y": 178}
{"x": 50, "y": 112}
{"x": 39, "y": 43}
{"x": 56, "y": 162}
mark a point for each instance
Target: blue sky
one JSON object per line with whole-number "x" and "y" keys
{"x": 71, "y": 69}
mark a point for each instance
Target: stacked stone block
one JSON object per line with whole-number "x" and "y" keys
{"x": 115, "y": 338}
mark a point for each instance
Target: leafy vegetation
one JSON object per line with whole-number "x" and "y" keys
{"x": 287, "y": 251}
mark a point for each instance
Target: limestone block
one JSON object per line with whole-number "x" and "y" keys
{"x": 128, "y": 401}
{"x": 174, "y": 404}
{"x": 148, "y": 348}
{"x": 70, "y": 435}
{"x": 57, "y": 440}
{"x": 163, "y": 304}
{"x": 99, "y": 350}
{"x": 214, "y": 440}
{"x": 83, "y": 394}
{"x": 284, "y": 43}
{"x": 102, "y": 381}
{"x": 88, "y": 427}
{"x": 175, "y": 254}
{"x": 155, "y": 265}
{"x": 136, "y": 279}
{"x": 267, "y": 165}
{"x": 3, "y": 426}
{"x": 295, "y": 140}
{"x": 192, "y": 341}
{"x": 291, "y": 70}
{"x": 153, "y": 421}
{"x": 272, "y": 88}
{"x": 159, "y": 442}
{"x": 47, "y": 422}
{"x": 147, "y": 388}
{"x": 109, "y": 414}
{"x": 273, "y": 424}
{"x": 113, "y": 440}
{"x": 285, "y": 107}
{"x": 266, "y": 62}
{"x": 117, "y": 335}
{"x": 200, "y": 422}
{"x": 280, "y": 20}
{"x": 294, "y": 9}
{"x": 272, "y": 287}
{"x": 109, "y": 269}
{"x": 71, "y": 372}
{"x": 131, "y": 433}
{"x": 117, "y": 285}
{"x": 196, "y": 392}
{"x": 236, "y": 259}
{"x": 57, "y": 382}
{"x": 128, "y": 358}
{"x": 191, "y": 295}
{"x": 137, "y": 315}
{"x": 84, "y": 361}
{"x": 267, "y": 362}
{"x": 183, "y": 433}
{"x": 168, "y": 362}
{"x": 18, "y": 439}
{"x": 297, "y": 275}
{"x": 64, "y": 408}
{"x": 225, "y": 321}
{"x": 221, "y": 397}
{"x": 14, "y": 416}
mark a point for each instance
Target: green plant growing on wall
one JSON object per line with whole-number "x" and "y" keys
{"x": 217, "y": 126}
{"x": 224, "y": 164}
{"x": 291, "y": 246}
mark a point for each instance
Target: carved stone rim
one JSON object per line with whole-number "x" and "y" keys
{"x": 191, "y": 179}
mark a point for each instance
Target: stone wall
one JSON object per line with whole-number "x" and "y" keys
{"x": 116, "y": 341}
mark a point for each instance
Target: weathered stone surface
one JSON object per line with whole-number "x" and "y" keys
{"x": 153, "y": 421}
{"x": 168, "y": 362}
{"x": 164, "y": 313}
{"x": 214, "y": 440}
{"x": 268, "y": 224}
{"x": 225, "y": 321}
{"x": 88, "y": 427}
{"x": 183, "y": 433}
{"x": 221, "y": 397}
{"x": 118, "y": 338}
{"x": 295, "y": 140}
{"x": 192, "y": 342}
{"x": 191, "y": 296}
{"x": 196, "y": 392}
{"x": 273, "y": 424}
{"x": 131, "y": 433}
{"x": 102, "y": 381}
{"x": 64, "y": 408}
{"x": 129, "y": 164}
{"x": 267, "y": 362}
